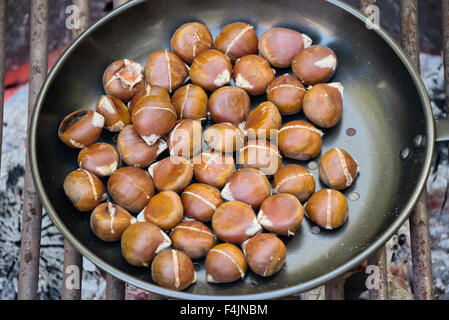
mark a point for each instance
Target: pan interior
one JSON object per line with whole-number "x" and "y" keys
{"x": 381, "y": 103}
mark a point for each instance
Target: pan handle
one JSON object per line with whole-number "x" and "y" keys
{"x": 442, "y": 129}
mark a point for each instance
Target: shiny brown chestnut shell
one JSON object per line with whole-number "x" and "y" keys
{"x": 84, "y": 189}
{"x": 173, "y": 269}
{"x": 295, "y": 179}
{"x": 315, "y": 64}
{"x": 148, "y": 91}
{"x": 287, "y": 93}
{"x": 229, "y": 104}
{"x": 323, "y": 104}
{"x": 213, "y": 168}
{"x": 193, "y": 238}
{"x": 248, "y": 185}
{"x": 328, "y": 208}
{"x": 236, "y": 40}
{"x": 253, "y": 73}
{"x": 235, "y": 222}
{"x": 131, "y": 188}
{"x": 299, "y": 140}
{"x": 100, "y": 158}
{"x": 186, "y": 139}
{"x": 81, "y": 128}
{"x": 123, "y": 79}
{"x": 108, "y": 221}
{"x": 224, "y": 137}
{"x": 200, "y": 201}
{"x": 265, "y": 254}
{"x": 263, "y": 122}
{"x": 337, "y": 169}
{"x": 281, "y": 214}
{"x": 211, "y": 70}
{"x": 115, "y": 113}
{"x": 190, "y": 39}
{"x": 262, "y": 155}
{"x": 163, "y": 210}
{"x": 225, "y": 263}
{"x": 141, "y": 242}
{"x": 190, "y": 102}
{"x": 172, "y": 173}
{"x": 165, "y": 69}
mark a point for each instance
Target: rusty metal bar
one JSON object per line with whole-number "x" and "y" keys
{"x": 445, "y": 8}
{"x": 379, "y": 259}
{"x": 115, "y": 288}
{"x": 32, "y": 208}
{"x": 2, "y": 68}
{"x": 419, "y": 219}
{"x": 335, "y": 289}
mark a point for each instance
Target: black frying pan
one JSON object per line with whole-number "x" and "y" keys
{"x": 385, "y": 102}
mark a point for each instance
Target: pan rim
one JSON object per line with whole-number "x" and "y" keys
{"x": 355, "y": 261}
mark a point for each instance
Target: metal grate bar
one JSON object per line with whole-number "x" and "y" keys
{"x": 419, "y": 220}
{"x": 445, "y": 7}
{"x": 380, "y": 260}
{"x": 2, "y": 68}
{"x": 335, "y": 289}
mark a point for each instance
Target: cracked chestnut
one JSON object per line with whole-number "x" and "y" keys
{"x": 163, "y": 210}
{"x": 260, "y": 154}
{"x": 211, "y": 70}
{"x": 287, "y": 93}
{"x": 300, "y": 140}
{"x": 100, "y": 158}
{"x": 172, "y": 173}
{"x": 190, "y": 39}
{"x": 108, "y": 221}
{"x": 200, "y": 201}
{"x": 253, "y": 73}
{"x": 263, "y": 122}
{"x": 148, "y": 91}
{"x": 213, "y": 168}
{"x": 294, "y": 179}
{"x": 84, "y": 189}
{"x": 193, "y": 238}
{"x": 323, "y": 104}
{"x": 115, "y": 113}
{"x": 225, "y": 263}
{"x": 123, "y": 79}
{"x": 190, "y": 102}
{"x": 81, "y": 128}
{"x": 236, "y": 40}
{"x": 315, "y": 64}
{"x": 229, "y": 104}
{"x": 337, "y": 169}
{"x": 186, "y": 139}
{"x": 328, "y": 208}
{"x": 224, "y": 137}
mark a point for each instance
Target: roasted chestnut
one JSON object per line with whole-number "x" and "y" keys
{"x": 294, "y": 179}
{"x": 281, "y": 214}
{"x": 165, "y": 69}
{"x": 213, "y": 168}
{"x": 186, "y": 139}
{"x": 225, "y": 263}
{"x": 190, "y": 102}
{"x": 190, "y": 39}
{"x": 262, "y": 155}
{"x": 193, "y": 238}
{"x": 315, "y": 64}
{"x": 263, "y": 122}
{"x": 236, "y": 40}
{"x": 229, "y": 104}
{"x": 253, "y": 73}
{"x": 123, "y": 79}
{"x": 287, "y": 93}
{"x": 300, "y": 140}
{"x": 265, "y": 254}
{"x": 148, "y": 91}
{"x": 131, "y": 188}
{"x": 224, "y": 137}
{"x": 323, "y": 104}
{"x": 235, "y": 221}
{"x": 211, "y": 70}
{"x": 337, "y": 169}
{"x": 81, "y": 128}
{"x": 172, "y": 173}
{"x": 84, "y": 189}
{"x": 163, "y": 210}
{"x": 200, "y": 201}
{"x": 141, "y": 242}
{"x": 115, "y": 113}
{"x": 328, "y": 208}
{"x": 173, "y": 269}
{"x": 108, "y": 221}
{"x": 100, "y": 158}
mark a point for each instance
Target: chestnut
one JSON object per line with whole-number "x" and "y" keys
{"x": 81, "y": 128}
{"x": 281, "y": 214}
{"x": 262, "y": 155}
{"x": 211, "y": 70}
{"x": 224, "y": 137}
{"x": 190, "y": 102}
{"x": 115, "y": 113}
{"x": 236, "y": 40}
{"x": 153, "y": 118}
{"x": 229, "y": 104}
{"x": 148, "y": 91}
{"x": 108, "y": 221}
{"x": 235, "y": 221}
{"x": 102, "y": 159}
{"x": 225, "y": 263}
{"x": 193, "y": 238}
{"x": 135, "y": 151}
{"x": 263, "y": 122}
{"x": 248, "y": 185}
{"x": 328, "y": 208}
{"x": 172, "y": 173}
{"x": 213, "y": 168}
{"x": 190, "y": 39}
{"x": 281, "y": 45}
{"x": 315, "y": 64}
{"x": 186, "y": 139}
{"x": 337, "y": 169}
{"x": 253, "y": 73}
{"x": 173, "y": 269}
{"x": 294, "y": 179}
{"x": 163, "y": 210}
{"x": 287, "y": 93}
{"x": 265, "y": 254}
{"x": 141, "y": 242}
{"x": 131, "y": 188}
{"x": 200, "y": 201}
{"x": 323, "y": 104}
{"x": 165, "y": 69}
{"x": 123, "y": 79}
{"x": 84, "y": 189}
{"x": 300, "y": 140}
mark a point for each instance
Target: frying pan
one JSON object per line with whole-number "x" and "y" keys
{"x": 385, "y": 105}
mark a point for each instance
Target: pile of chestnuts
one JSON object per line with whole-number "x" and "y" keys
{"x": 193, "y": 173}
